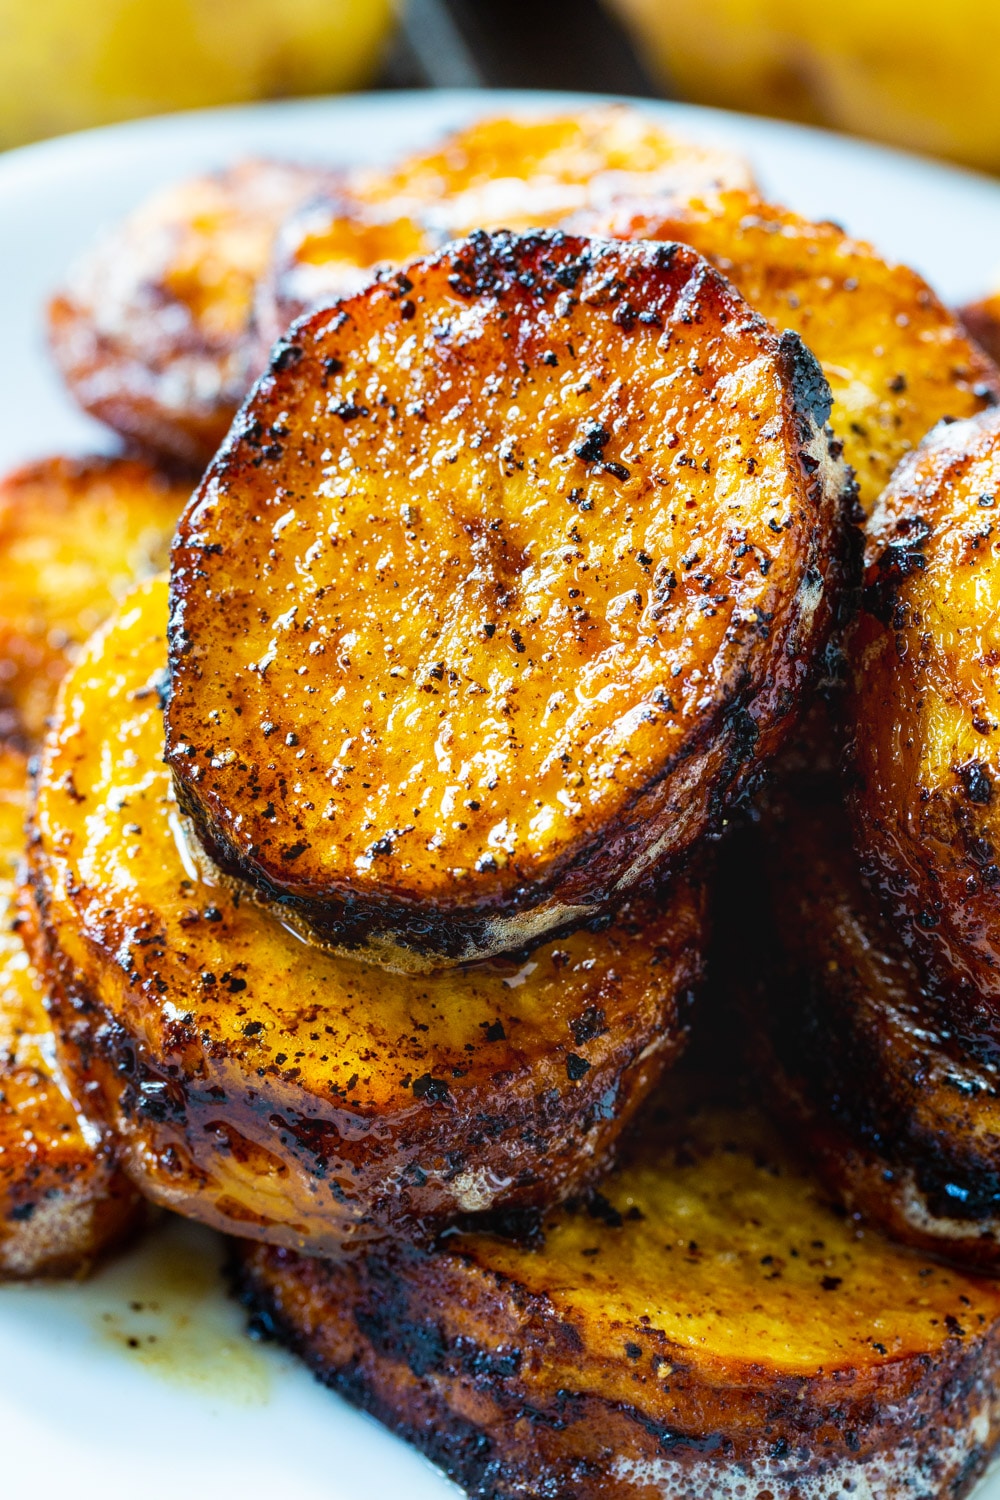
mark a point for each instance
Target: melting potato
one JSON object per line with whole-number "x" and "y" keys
{"x": 260, "y": 1085}
{"x": 704, "y": 1326}
{"x": 62, "y": 1199}
{"x": 153, "y": 332}
{"x": 925, "y": 718}
{"x": 901, "y": 1123}
{"x": 493, "y": 174}
{"x": 897, "y": 360}
{"x": 511, "y": 577}
{"x": 75, "y": 534}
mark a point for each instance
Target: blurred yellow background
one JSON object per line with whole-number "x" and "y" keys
{"x": 918, "y": 73}
{"x": 65, "y": 64}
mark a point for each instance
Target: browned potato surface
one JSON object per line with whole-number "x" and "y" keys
{"x": 511, "y": 578}
{"x": 897, "y": 360}
{"x": 152, "y": 333}
{"x": 982, "y": 319}
{"x": 62, "y": 1200}
{"x": 704, "y": 1327}
{"x": 925, "y": 718}
{"x": 903, "y": 1126}
{"x": 269, "y": 1089}
{"x": 493, "y": 174}
{"x": 75, "y": 533}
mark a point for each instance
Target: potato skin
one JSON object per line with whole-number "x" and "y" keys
{"x": 896, "y": 358}
{"x": 982, "y": 320}
{"x": 898, "y": 1120}
{"x": 924, "y": 712}
{"x": 269, "y": 1089}
{"x": 153, "y": 332}
{"x": 706, "y": 1326}
{"x": 63, "y": 1200}
{"x": 494, "y": 174}
{"x": 608, "y": 598}
{"x": 75, "y": 534}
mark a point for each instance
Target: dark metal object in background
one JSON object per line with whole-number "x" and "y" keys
{"x": 533, "y": 44}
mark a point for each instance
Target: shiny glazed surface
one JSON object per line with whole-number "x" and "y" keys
{"x": 494, "y": 174}
{"x": 75, "y": 534}
{"x": 896, "y": 358}
{"x": 62, "y": 1200}
{"x": 925, "y": 717}
{"x": 152, "y": 333}
{"x": 901, "y": 1124}
{"x": 706, "y": 1326}
{"x": 266, "y": 1088}
{"x": 510, "y": 577}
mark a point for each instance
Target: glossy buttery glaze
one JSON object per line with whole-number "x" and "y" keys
{"x": 706, "y": 1326}
{"x": 509, "y": 579}
{"x": 266, "y": 1088}
{"x": 925, "y": 718}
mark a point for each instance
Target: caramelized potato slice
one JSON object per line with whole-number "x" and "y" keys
{"x": 897, "y": 360}
{"x": 982, "y": 319}
{"x": 152, "y": 333}
{"x": 925, "y": 718}
{"x": 705, "y": 1326}
{"x": 75, "y": 534}
{"x": 264, "y": 1087}
{"x": 493, "y": 174}
{"x": 511, "y": 577}
{"x": 62, "y": 1199}
{"x": 903, "y": 1126}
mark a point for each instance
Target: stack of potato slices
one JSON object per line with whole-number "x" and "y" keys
{"x": 365, "y": 906}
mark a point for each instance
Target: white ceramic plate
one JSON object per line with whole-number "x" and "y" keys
{"x": 141, "y": 1383}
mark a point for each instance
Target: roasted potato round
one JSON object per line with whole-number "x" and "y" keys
{"x": 899, "y": 1121}
{"x": 75, "y": 534}
{"x": 509, "y": 580}
{"x": 896, "y": 358}
{"x": 152, "y": 334}
{"x": 267, "y": 1088}
{"x": 925, "y": 717}
{"x": 493, "y": 174}
{"x": 62, "y": 1198}
{"x": 705, "y": 1326}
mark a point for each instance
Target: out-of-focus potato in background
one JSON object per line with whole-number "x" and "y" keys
{"x": 918, "y": 73}
{"x": 66, "y": 64}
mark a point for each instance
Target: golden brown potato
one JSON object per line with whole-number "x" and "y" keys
{"x": 925, "y": 718}
{"x": 62, "y": 1199}
{"x": 494, "y": 174}
{"x": 75, "y": 534}
{"x": 900, "y": 1123}
{"x": 705, "y": 1326}
{"x": 152, "y": 334}
{"x": 511, "y": 578}
{"x": 267, "y": 1088}
{"x": 982, "y": 319}
{"x": 897, "y": 360}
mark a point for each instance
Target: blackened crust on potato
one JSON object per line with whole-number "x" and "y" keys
{"x": 903, "y": 1125}
{"x": 487, "y": 576}
{"x": 271, "y": 1089}
{"x": 924, "y": 717}
{"x": 628, "y": 1353}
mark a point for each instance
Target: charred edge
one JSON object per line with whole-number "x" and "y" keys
{"x": 810, "y": 390}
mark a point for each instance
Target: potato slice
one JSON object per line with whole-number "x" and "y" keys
{"x": 896, "y": 358}
{"x": 494, "y": 174}
{"x": 902, "y": 1125}
{"x": 75, "y": 534}
{"x": 62, "y": 1199}
{"x": 925, "y": 718}
{"x": 267, "y": 1088}
{"x": 152, "y": 333}
{"x": 982, "y": 319}
{"x": 511, "y": 578}
{"x": 705, "y": 1326}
